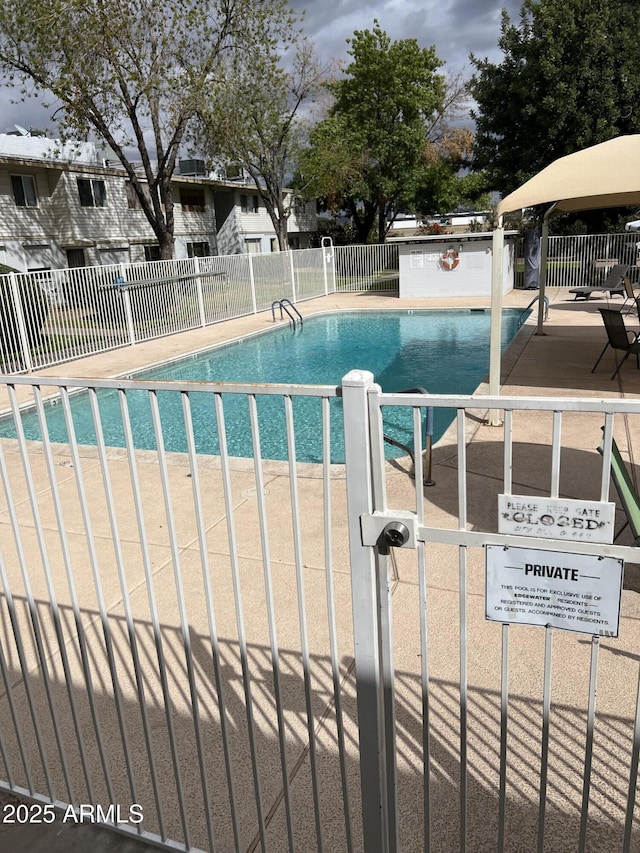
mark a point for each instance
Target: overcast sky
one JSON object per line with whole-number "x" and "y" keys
{"x": 456, "y": 28}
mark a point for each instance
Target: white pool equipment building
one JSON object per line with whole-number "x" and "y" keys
{"x": 452, "y": 265}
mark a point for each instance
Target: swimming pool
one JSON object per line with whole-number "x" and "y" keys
{"x": 445, "y": 351}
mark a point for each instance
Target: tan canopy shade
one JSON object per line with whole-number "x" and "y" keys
{"x": 605, "y": 175}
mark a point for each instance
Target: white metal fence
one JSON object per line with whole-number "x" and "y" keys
{"x": 178, "y": 630}
{"x": 476, "y": 735}
{"x": 174, "y": 631}
{"x": 53, "y": 316}
{"x": 585, "y": 259}
{"x": 372, "y": 267}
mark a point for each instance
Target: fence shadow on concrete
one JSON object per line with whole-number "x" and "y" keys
{"x": 609, "y": 780}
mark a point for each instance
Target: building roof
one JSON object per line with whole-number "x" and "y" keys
{"x": 74, "y": 155}
{"x": 41, "y": 148}
{"x": 451, "y": 238}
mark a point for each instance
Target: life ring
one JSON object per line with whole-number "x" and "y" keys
{"x": 450, "y": 260}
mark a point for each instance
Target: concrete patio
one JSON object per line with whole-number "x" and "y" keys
{"x": 557, "y": 364}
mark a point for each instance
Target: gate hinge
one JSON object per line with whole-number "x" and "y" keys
{"x": 397, "y": 528}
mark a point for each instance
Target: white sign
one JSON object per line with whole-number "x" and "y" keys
{"x": 576, "y": 592}
{"x": 416, "y": 259}
{"x": 556, "y": 518}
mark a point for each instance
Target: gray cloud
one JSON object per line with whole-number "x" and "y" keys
{"x": 455, "y": 27}
{"x": 29, "y": 113}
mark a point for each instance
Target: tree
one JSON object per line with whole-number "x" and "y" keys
{"x": 256, "y": 120}
{"x": 365, "y": 154}
{"x": 568, "y": 79}
{"x": 134, "y": 72}
{"x": 445, "y": 182}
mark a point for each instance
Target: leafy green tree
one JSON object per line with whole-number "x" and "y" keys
{"x": 568, "y": 79}
{"x": 134, "y": 72}
{"x": 445, "y": 182}
{"x": 365, "y": 156}
{"x": 256, "y": 119}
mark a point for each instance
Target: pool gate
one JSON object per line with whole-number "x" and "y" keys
{"x": 214, "y": 653}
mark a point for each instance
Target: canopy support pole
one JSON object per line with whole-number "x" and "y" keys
{"x": 495, "y": 351}
{"x": 544, "y": 250}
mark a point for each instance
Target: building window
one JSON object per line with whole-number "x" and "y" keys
{"x": 254, "y": 246}
{"x": 75, "y": 258}
{"x": 133, "y": 202}
{"x": 152, "y": 253}
{"x": 274, "y": 244}
{"x": 192, "y": 199}
{"x": 92, "y": 192}
{"x": 249, "y": 203}
{"x": 198, "y": 250}
{"x": 24, "y": 190}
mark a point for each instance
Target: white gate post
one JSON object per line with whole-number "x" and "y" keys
{"x": 293, "y": 278}
{"x": 378, "y": 812}
{"x": 328, "y": 258}
{"x": 196, "y": 269}
{"x": 253, "y": 285}
{"x": 495, "y": 350}
{"x": 123, "y": 289}
{"x": 129, "y": 315}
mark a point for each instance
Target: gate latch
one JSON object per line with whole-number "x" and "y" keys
{"x": 393, "y": 529}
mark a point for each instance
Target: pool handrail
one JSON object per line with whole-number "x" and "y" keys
{"x": 521, "y": 318}
{"x": 282, "y": 304}
{"x": 427, "y": 478}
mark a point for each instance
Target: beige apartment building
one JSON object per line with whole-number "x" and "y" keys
{"x": 70, "y": 205}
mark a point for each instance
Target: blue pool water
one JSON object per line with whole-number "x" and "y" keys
{"x": 445, "y": 351}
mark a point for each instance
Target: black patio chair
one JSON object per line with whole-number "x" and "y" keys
{"x": 618, "y": 338}
{"x": 630, "y": 296}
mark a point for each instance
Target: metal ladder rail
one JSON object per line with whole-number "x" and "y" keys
{"x": 533, "y": 302}
{"x": 285, "y": 302}
{"x": 282, "y": 304}
{"x": 427, "y": 478}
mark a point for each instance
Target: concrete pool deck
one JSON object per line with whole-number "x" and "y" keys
{"x": 556, "y": 364}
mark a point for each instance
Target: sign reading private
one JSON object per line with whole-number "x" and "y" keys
{"x": 556, "y": 518}
{"x": 576, "y": 592}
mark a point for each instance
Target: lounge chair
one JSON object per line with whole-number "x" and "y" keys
{"x": 618, "y": 338}
{"x": 614, "y": 283}
{"x": 626, "y": 492}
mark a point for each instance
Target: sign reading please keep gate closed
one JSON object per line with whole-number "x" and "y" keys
{"x": 556, "y": 518}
